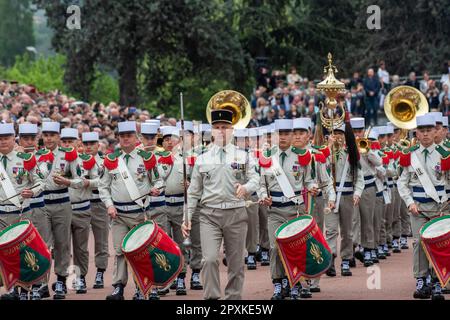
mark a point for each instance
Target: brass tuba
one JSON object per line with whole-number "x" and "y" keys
{"x": 233, "y": 101}
{"x": 403, "y": 104}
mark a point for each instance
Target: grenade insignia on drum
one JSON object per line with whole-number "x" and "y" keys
{"x": 162, "y": 262}
{"x": 31, "y": 261}
{"x": 317, "y": 255}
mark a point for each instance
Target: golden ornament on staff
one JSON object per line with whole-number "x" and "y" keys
{"x": 233, "y": 101}
{"x": 329, "y": 118}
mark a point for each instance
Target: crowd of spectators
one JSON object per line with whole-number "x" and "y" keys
{"x": 277, "y": 96}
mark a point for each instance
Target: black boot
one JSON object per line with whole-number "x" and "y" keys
{"x": 422, "y": 290}
{"x": 99, "y": 282}
{"x": 436, "y": 293}
{"x": 367, "y": 258}
{"x": 251, "y": 262}
{"x": 12, "y": 295}
{"x": 345, "y": 269}
{"x": 331, "y": 272}
{"x": 60, "y": 289}
{"x": 277, "y": 291}
{"x": 265, "y": 260}
{"x": 285, "y": 288}
{"x": 195, "y": 280}
{"x": 181, "y": 287}
{"x": 117, "y": 294}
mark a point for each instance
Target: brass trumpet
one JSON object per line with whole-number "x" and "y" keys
{"x": 233, "y": 101}
{"x": 364, "y": 143}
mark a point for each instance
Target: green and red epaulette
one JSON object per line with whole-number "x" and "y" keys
{"x": 88, "y": 161}
{"x": 165, "y": 157}
{"x": 111, "y": 160}
{"x": 70, "y": 154}
{"x": 445, "y": 160}
{"x": 149, "y": 159}
{"x": 375, "y": 145}
{"x": 29, "y": 160}
{"x": 265, "y": 159}
{"x": 324, "y": 149}
{"x": 405, "y": 156}
{"x": 385, "y": 158}
{"x": 45, "y": 155}
{"x": 389, "y": 153}
{"x": 304, "y": 156}
{"x": 191, "y": 160}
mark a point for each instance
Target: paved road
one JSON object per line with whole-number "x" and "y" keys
{"x": 395, "y": 282}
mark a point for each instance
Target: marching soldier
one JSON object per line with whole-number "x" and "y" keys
{"x": 171, "y": 163}
{"x": 20, "y": 180}
{"x": 28, "y": 143}
{"x": 363, "y": 227}
{"x": 81, "y": 217}
{"x": 257, "y": 234}
{"x": 422, "y": 187}
{"x": 293, "y": 162}
{"x": 349, "y": 187}
{"x": 195, "y": 252}
{"x": 326, "y": 198}
{"x": 124, "y": 186}
{"x": 218, "y": 183}
{"x": 59, "y": 165}
{"x": 381, "y": 195}
{"x": 157, "y": 212}
{"x": 241, "y": 142}
{"x": 92, "y": 162}
{"x": 405, "y": 222}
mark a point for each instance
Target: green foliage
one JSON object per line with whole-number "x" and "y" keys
{"x": 16, "y": 29}
{"x": 105, "y": 88}
{"x": 44, "y": 73}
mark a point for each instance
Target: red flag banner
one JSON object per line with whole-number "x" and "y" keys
{"x": 435, "y": 240}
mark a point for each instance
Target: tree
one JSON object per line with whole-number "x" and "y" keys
{"x": 16, "y": 29}
{"x": 138, "y": 38}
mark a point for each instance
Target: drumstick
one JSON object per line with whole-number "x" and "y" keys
{"x": 16, "y": 195}
{"x": 146, "y": 195}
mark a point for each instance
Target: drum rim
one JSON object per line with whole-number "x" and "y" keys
{"x": 284, "y": 225}
{"x": 132, "y": 231}
{"x": 12, "y": 226}
{"x": 429, "y": 223}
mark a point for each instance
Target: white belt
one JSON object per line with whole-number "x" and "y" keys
{"x": 128, "y": 208}
{"x": 440, "y": 193}
{"x": 158, "y": 199}
{"x": 344, "y": 189}
{"x": 37, "y": 200}
{"x": 283, "y": 199}
{"x": 95, "y": 196}
{"x": 227, "y": 205}
{"x": 54, "y": 196}
{"x": 8, "y": 208}
{"x": 369, "y": 181}
{"x": 174, "y": 199}
{"x": 81, "y": 205}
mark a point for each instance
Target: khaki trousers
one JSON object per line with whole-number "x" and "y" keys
{"x": 341, "y": 222}
{"x": 253, "y": 225}
{"x": 100, "y": 229}
{"x": 196, "y": 256}
{"x": 58, "y": 222}
{"x": 119, "y": 229}
{"x": 231, "y": 226}
{"x": 389, "y": 215}
{"x": 159, "y": 215}
{"x": 377, "y": 220}
{"x": 396, "y": 216}
{"x": 80, "y": 228}
{"x": 366, "y": 211}
{"x": 404, "y": 218}
{"x": 263, "y": 230}
{"x": 175, "y": 220}
{"x": 277, "y": 217}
